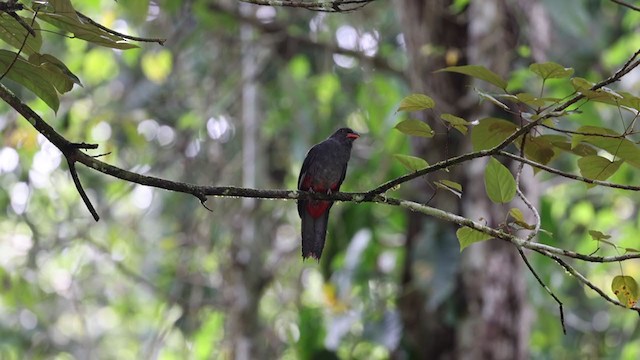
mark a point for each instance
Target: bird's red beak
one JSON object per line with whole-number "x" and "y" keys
{"x": 353, "y": 136}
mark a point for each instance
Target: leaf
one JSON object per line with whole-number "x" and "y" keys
{"x": 602, "y": 95}
{"x": 479, "y": 72}
{"x": 411, "y": 162}
{"x": 597, "y": 168}
{"x": 34, "y": 78}
{"x": 415, "y": 128}
{"x": 518, "y": 218}
{"x": 530, "y": 100}
{"x": 490, "y": 132}
{"x": 467, "y": 236}
{"x": 626, "y": 290}
{"x": 457, "y": 123}
{"x": 538, "y": 149}
{"x": 60, "y": 76}
{"x": 499, "y": 182}
{"x": 416, "y": 102}
{"x": 14, "y": 34}
{"x": 86, "y": 31}
{"x": 451, "y": 186}
{"x": 550, "y": 70}
{"x": 598, "y": 236}
{"x": 490, "y": 98}
{"x": 560, "y": 142}
{"x": 619, "y": 147}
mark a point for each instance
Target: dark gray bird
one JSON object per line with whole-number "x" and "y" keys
{"x": 323, "y": 170}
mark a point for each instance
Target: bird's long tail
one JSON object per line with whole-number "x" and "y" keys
{"x": 314, "y": 232}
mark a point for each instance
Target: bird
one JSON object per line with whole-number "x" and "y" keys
{"x": 323, "y": 171}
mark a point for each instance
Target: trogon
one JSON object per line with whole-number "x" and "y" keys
{"x": 323, "y": 171}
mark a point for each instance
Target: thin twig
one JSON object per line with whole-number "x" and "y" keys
{"x": 630, "y": 6}
{"x": 83, "y": 194}
{"x": 621, "y": 136}
{"x": 545, "y": 287}
{"x": 524, "y": 199}
{"x": 24, "y": 42}
{"x": 113, "y": 32}
{"x": 581, "y": 278}
{"x": 325, "y": 6}
{"x": 566, "y": 174}
{"x": 625, "y": 69}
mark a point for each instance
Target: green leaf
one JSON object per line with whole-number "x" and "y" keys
{"x": 619, "y": 147}
{"x": 518, "y": 218}
{"x": 550, "y": 70}
{"x": 457, "y": 123}
{"x": 14, "y": 34}
{"x": 157, "y": 65}
{"x": 538, "y": 149}
{"x": 415, "y": 128}
{"x": 60, "y": 76}
{"x": 86, "y": 31}
{"x": 451, "y": 186}
{"x": 479, "y": 72}
{"x": 597, "y": 168}
{"x": 598, "y": 236}
{"x": 411, "y": 162}
{"x": 467, "y": 236}
{"x": 530, "y": 100}
{"x": 416, "y": 102}
{"x": 34, "y": 78}
{"x": 561, "y": 142}
{"x": 490, "y": 132}
{"x": 499, "y": 182}
{"x": 603, "y": 94}
{"x": 626, "y": 290}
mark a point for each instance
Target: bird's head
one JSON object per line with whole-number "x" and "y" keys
{"x": 345, "y": 136}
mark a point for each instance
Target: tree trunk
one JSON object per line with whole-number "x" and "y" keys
{"x": 469, "y": 306}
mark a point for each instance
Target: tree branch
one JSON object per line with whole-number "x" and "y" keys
{"x": 325, "y": 6}
{"x": 571, "y": 270}
{"x": 545, "y": 287}
{"x": 113, "y": 32}
{"x": 628, "y": 66}
{"x": 630, "y": 6}
{"x": 376, "y": 61}
{"x": 566, "y": 174}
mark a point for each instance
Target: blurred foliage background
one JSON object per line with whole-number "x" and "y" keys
{"x": 236, "y": 97}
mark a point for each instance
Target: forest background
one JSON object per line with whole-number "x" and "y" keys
{"x": 225, "y": 93}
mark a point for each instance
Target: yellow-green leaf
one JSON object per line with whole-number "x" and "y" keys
{"x": 518, "y": 218}
{"x": 157, "y": 66}
{"x": 467, "y": 236}
{"x": 415, "y": 128}
{"x": 457, "y": 123}
{"x": 411, "y": 162}
{"x": 602, "y": 95}
{"x": 616, "y": 146}
{"x": 416, "y": 102}
{"x": 538, "y": 149}
{"x": 490, "y": 132}
{"x": 530, "y": 100}
{"x": 550, "y": 70}
{"x": 34, "y": 78}
{"x": 499, "y": 182}
{"x": 598, "y": 235}
{"x": 597, "y": 168}
{"x": 626, "y": 290}
{"x": 479, "y": 72}
{"x": 14, "y": 34}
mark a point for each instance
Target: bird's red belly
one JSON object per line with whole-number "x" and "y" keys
{"x": 317, "y": 208}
